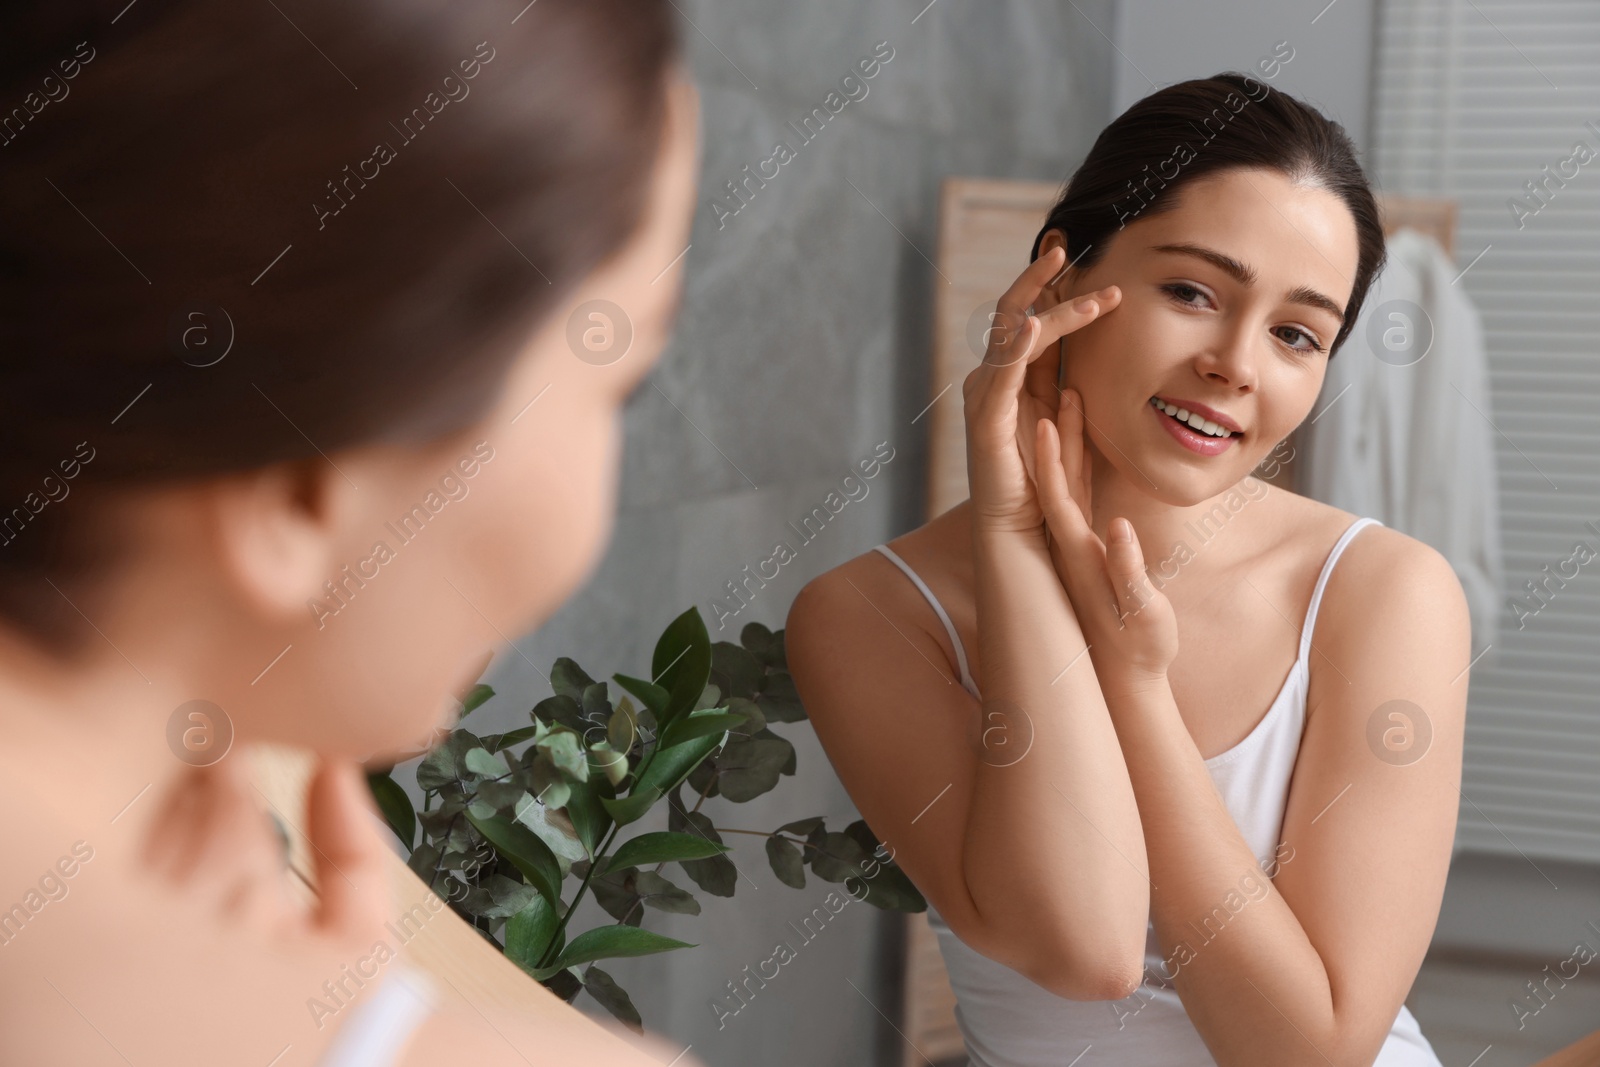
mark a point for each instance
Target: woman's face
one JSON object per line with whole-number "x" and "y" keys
{"x": 487, "y": 533}
{"x": 1226, "y": 303}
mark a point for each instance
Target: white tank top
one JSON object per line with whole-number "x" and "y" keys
{"x": 1009, "y": 1021}
{"x": 378, "y": 1028}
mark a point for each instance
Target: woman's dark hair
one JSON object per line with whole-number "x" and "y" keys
{"x": 1196, "y": 128}
{"x": 369, "y": 206}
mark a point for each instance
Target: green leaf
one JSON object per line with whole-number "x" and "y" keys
{"x": 710, "y": 697}
{"x": 681, "y": 663}
{"x": 496, "y": 742}
{"x": 552, "y": 826}
{"x": 735, "y": 670}
{"x": 424, "y": 860}
{"x": 560, "y": 710}
{"x": 443, "y": 765}
{"x": 596, "y": 710}
{"x": 703, "y": 778}
{"x": 528, "y": 933}
{"x": 749, "y": 768}
{"x": 618, "y": 895}
{"x": 600, "y": 985}
{"x": 755, "y": 721}
{"x": 661, "y": 894}
{"x": 837, "y": 857}
{"x": 671, "y": 765}
{"x": 438, "y": 822}
{"x": 501, "y": 796}
{"x": 662, "y": 847}
{"x": 779, "y": 699}
{"x": 565, "y": 750}
{"x": 699, "y": 725}
{"x": 569, "y": 680}
{"x": 653, "y": 696}
{"x": 891, "y": 890}
{"x": 801, "y": 826}
{"x": 763, "y": 643}
{"x": 863, "y": 835}
{"x": 509, "y": 896}
{"x": 544, "y": 779}
{"x": 437, "y": 769}
{"x": 474, "y": 699}
{"x": 611, "y": 764}
{"x": 396, "y": 807}
{"x": 522, "y": 847}
{"x": 716, "y": 874}
{"x": 622, "y": 731}
{"x": 590, "y": 820}
{"x": 564, "y": 984}
{"x": 788, "y": 863}
{"x": 631, "y": 808}
{"x": 613, "y": 942}
{"x": 485, "y": 764}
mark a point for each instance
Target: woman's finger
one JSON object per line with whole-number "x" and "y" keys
{"x": 1125, "y": 567}
{"x": 1010, "y": 334}
{"x": 1072, "y": 315}
{"x": 1069, "y": 420}
{"x": 352, "y": 875}
{"x": 1075, "y": 543}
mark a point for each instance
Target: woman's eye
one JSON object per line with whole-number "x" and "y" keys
{"x": 1182, "y": 293}
{"x": 1311, "y": 346}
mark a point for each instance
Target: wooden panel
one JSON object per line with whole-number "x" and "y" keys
{"x": 986, "y": 229}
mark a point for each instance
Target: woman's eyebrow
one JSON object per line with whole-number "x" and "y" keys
{"x": 1246, "y": 275}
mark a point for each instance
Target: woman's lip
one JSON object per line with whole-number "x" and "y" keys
{"x": 1193, "y": 440}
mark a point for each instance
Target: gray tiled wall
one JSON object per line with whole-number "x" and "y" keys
{"x": 802, "y": 343}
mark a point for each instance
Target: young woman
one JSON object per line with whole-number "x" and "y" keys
{"x": 271, "y": 290}
{"x": 1145, "y": 730}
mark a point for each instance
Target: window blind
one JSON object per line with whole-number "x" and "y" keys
{"x": 1496, "y": 104}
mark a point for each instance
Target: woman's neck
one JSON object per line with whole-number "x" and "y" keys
{"x": 1171, "y": 534}
{"x": 92, "y": 756}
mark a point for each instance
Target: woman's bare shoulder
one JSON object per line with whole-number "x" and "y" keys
{"x": 1385, "y": 581}
{"x": 845, "y": 608}
{"x": 939, "y": 551}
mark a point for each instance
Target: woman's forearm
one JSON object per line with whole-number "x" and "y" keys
{"x": 1054, "y": 855}
{"x": 1257, "y": 990}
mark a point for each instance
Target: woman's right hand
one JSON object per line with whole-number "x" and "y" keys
{"x": 1004, "y": 402}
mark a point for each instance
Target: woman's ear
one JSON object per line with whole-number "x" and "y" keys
{"x": 277, "y": 531}
{"x": 1056, "y": 289}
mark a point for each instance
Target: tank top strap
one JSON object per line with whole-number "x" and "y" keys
{"x": 938, "y": 608}
{"x": 1322, "y": 581}
{"x": 379, "y": 1027}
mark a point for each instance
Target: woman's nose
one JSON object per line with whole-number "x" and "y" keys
{"x": 1232, "y": 359}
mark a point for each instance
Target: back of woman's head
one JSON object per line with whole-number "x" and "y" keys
{"x": 1141, "y": 162}
{"x": 240, "y": 234}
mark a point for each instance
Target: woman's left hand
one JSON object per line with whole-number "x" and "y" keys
{"x": 1129, "y": 623}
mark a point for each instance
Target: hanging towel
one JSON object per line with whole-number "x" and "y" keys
{"x": 1403, "y": 429}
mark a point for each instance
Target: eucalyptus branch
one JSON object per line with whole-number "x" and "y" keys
{"x": 715, "y": 774}
{"x": 544, "y": 958}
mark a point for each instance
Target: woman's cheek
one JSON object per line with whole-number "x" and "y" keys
{"x": 567, "y": 500}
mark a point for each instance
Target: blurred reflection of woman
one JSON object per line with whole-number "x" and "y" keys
{"x": 273, "y": 288}
{"x": 1230, "y": 822}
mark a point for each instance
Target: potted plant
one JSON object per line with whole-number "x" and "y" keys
{"x": 510, "y": 820}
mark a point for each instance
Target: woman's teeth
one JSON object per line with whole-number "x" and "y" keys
{"x": 1191, "y": 419}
